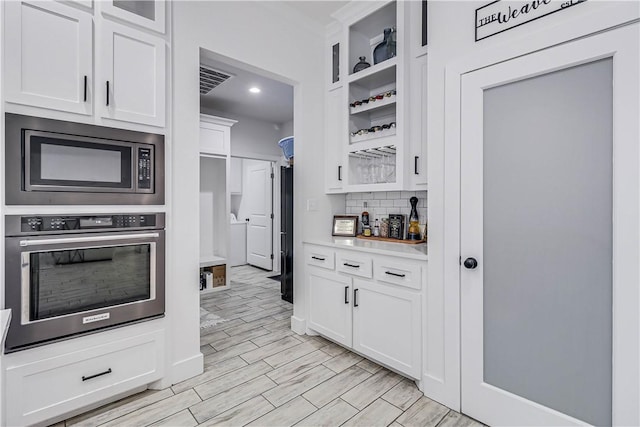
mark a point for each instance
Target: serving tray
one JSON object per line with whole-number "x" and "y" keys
{"x": 388, "y": 239}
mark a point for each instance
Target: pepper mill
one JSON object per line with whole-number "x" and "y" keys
{"x": 414, "y": 226}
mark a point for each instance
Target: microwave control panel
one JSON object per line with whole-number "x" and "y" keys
{"x": 144, "y": 168}
{"x": 76, "y": 223}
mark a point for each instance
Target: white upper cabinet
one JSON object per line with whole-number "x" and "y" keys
{"x": 48, "y": 56}
{"x": 147, "y": 14}
{"x": 368, "y": 100}
{"x": 417, "y": 169}
{"x": 336, "y": 139}
{"x": 215, "y": 135}
{"x": 376, "y": 99}
{"x": 235, "y": 176}
{"x": 131, "y": 75}
{"x": 51, "y": 55}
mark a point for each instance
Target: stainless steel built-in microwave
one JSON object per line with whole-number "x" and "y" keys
{"x": 61, "y": 163}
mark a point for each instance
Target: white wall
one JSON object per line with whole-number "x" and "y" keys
{"x": 251, "y": 137}
{"x": 286, "y": 129}
{"x": 451, "y": 38}
{"x": 255, "y": 33}
{"x": 213, "y": 215}
{"x": 383, "y": 203}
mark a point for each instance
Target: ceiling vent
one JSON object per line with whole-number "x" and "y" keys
{"x": 210, "y": 79}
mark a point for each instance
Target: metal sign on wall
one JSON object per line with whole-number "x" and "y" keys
{"x": 500, "y": 16}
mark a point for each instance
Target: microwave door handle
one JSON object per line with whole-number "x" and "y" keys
{"x": 39, "y": 242}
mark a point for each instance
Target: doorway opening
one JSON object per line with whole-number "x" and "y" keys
{"x": 260, "y": 105}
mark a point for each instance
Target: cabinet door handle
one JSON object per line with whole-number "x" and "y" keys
{"x": 107, "y": 93}
{"x": 355, "y": 297}
{"x": 391, "y": 273}
{"x": 415, "y": 165}
{"x": 318, "y": 258}
{"x": 339, "y": 173}
{"x": 85, "y": 88}
{"x": 351, "y": 265}
{"x": 346, "y": 295}
{"x": 108, "y": 371}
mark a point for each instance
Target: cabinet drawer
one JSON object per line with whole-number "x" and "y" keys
{"x": 354, "y": 263}
{"x": 398, "y": 273}
{"x": 53, "y": 386}
{"x": 320, "y": 257}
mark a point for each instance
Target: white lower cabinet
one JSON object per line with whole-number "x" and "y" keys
{"x": 367, "y": 302}
{"x": 330, "y": 310}
{"x": 386, "y": 325}
{"x": 48, "y": 387}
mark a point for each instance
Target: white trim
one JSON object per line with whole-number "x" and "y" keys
{"x": 180, "y": 371}
{"x": 442, "y": 381}
{"x": 298, "y": 325}
{"x": 357, "y": 10}
{"x": 480, "y": 398}
{"x": 216, "y": 120}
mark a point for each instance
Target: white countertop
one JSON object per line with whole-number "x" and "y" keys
{"x": 411, "y": 251}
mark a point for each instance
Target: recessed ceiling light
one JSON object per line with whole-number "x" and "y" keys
{"x": 254, "y": 90}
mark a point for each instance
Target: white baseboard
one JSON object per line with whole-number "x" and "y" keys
{"x": 298, "y": 325}
{"x": 435, "y": 389}
{"x": 180, "y": 371}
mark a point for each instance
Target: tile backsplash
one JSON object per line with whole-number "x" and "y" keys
{"x": 382, "y": 203}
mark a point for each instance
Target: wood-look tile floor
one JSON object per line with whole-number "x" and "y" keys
{"x": 258, "y": 372}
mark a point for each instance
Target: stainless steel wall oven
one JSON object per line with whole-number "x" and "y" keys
{"x": 57, "y": 162}
{"x": 67, "y": 275}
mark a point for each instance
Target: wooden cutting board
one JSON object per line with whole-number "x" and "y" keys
{"x": 387, "y": 239}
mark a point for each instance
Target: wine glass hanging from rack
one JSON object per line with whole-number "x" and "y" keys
{"x": 375, "y": 165}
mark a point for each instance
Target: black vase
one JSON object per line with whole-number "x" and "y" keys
{"x": 380, "y": 53}
{"x": 361, "y": 65}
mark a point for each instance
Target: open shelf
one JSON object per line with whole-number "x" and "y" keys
{"x": 366, "y": 33}
{"x": 374, "y": 105}
{"x": 212, "y": 261}
{"x": 378, "y": 136}
{"x": 375, "y": 76}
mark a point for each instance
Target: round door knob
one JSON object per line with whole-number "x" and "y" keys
{"x": 470, "y": 263}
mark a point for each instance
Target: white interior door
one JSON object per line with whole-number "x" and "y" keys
{"x": 550, "y": 236}
{"x": 259, "y": 197}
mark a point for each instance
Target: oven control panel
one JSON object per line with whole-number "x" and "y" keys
{"x": 144, "y": 168}
{"x": 76, "y": 223}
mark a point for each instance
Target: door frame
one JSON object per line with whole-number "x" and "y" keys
{"x": 619, "y": 46}
{"x": 445, "y": 385}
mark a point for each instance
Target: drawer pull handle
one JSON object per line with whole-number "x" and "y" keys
{"x": 85, "y": 88}
{"x": 351, "y": 265}
{"x": 107, "y": 93}
{"x": 355, "y": 297}
{"x": 90, "y": 377}
{"x": 391, "y": 273}
{"x": 318, "y": 258}
{"x": 346, "y": 295}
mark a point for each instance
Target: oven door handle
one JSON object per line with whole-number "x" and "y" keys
{"x": 37, "y": 242}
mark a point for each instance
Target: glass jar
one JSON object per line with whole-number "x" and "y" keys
{"x": 384, "y": 227}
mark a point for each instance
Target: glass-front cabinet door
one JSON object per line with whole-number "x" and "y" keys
{"x": 145, "y": 13}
